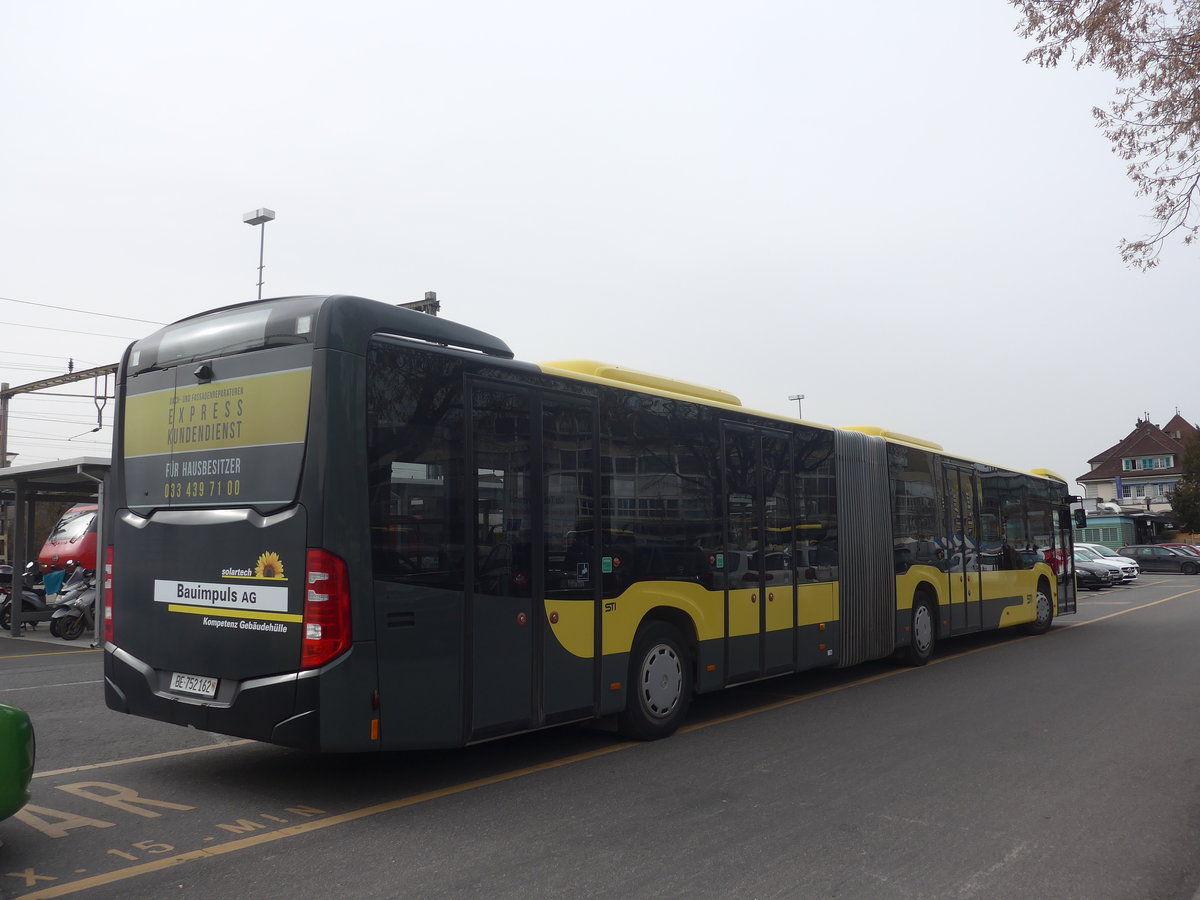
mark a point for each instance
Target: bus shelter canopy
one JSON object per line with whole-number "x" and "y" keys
{"x": 77, "y": 480}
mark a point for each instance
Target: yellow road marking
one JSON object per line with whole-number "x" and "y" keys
{"x": 308, "y": 827}
{"x": 137, "y": 759}
{"x": 51, "y": 653}
{"x": 158, "y": 865}
{"x": 1122, "y": 612}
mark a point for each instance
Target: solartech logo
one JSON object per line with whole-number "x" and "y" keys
{"x": 268, "y": 567}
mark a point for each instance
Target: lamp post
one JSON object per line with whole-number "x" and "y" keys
{"x": 799, "y": 398}
{"x": 260, "y": 217}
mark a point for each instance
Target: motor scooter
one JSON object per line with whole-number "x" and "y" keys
{"x": 75, "y": 612}
{"x": 33, "y": 603}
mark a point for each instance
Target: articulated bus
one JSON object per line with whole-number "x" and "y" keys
{"x": 336, "y": 524}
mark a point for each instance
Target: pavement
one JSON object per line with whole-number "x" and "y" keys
{"x": 41, "y": 635}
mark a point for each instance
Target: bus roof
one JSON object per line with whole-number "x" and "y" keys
{"x": 296, "y": 320}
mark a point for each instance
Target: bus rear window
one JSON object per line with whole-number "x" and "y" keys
{"x": 226, "y": 332}
{"x": 213, "y": 336}
{"x": 235, "y": 440}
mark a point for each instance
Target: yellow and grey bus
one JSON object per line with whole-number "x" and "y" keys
{"x": 338, "y": 524}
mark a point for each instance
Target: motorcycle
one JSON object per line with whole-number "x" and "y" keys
{"x": 33, "y": 602}
{"x": 75, "y": 612}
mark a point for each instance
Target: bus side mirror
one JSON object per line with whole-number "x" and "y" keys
{"x": 1080, "y": 518}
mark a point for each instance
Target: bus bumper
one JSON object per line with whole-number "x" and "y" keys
{"x": 248, "y": 709}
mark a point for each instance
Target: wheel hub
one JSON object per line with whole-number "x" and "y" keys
{"x": 922, "y": 628}
{"x": 662, "y": 681}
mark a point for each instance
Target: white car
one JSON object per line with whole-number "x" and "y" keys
{"x": 1129, "y": 567}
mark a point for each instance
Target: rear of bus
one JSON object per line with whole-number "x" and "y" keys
{"x": 226, "y": 609}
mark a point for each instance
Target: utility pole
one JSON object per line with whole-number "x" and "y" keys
{"x": 799, "y": 398}
{"x": 7, "y": 393}
{"x": 429, "y": 305}
{"x": 4, "y": 395}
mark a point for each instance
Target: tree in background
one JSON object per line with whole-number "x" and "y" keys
{"x": 1154, "y": 123}
{"x": 1185, "y": 501}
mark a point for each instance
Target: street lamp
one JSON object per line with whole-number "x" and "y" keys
{"x": 799, "y": 404}
{"x": 260, "y": 217}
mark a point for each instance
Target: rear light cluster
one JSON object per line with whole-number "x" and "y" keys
{"x": 326, "y": 609}
{"x": 108, "y": 594}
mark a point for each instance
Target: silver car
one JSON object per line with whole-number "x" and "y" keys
{"x": 1129, "y": 566}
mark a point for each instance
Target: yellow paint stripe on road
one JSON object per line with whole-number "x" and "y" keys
{"x": 61, "y": 890}
{"x": 1122, "y": 612}
{"x": 51, "y": 653}
{"x": 158, "y": 865}
{"x": 137, "y": 759}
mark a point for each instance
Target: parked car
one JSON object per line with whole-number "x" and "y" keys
{"x": 1113, "y": 556}
{"x": 1129, "y": 567}
{"x": 1157, "y": 558}
{"x": 16, "y": 759}
{"x": 1186, "y": 548}
{"x": 1092, "y": 576}
{"x": 1114, "y": 569}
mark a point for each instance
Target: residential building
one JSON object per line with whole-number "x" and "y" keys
{"x": 1139, "y": 472}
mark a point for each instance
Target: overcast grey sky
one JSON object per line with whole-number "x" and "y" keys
{"x": 877, "y": 205}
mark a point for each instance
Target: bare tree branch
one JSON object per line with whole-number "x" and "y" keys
{"x": 1153, "y": 47}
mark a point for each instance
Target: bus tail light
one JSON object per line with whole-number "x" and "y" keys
{"x": 108, "y": 594}
{"x": 326, "y": 609}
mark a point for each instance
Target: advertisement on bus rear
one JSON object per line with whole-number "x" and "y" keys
{"x": 221, "y": 600}
{"x": 232, "y": 442}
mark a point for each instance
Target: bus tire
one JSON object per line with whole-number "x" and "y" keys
{"x": 922, "y": 634}
{"x": 660, "y": 683}
{"x": 1043, "y": 611}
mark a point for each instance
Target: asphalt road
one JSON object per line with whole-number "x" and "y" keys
{"x": 1066, "y": 765}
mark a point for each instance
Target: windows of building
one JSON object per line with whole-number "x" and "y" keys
{"x": 1144, "y": 463}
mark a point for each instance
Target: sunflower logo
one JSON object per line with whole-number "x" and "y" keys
{"x": 269, "y": 565}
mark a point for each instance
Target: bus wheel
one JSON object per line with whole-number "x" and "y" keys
{"x": 1044, "y": 612}
{"x": 660, "y": 684}
{"x": 923, "y": 634}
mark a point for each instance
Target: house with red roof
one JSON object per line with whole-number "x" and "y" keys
{"x": 1140, "y": 471}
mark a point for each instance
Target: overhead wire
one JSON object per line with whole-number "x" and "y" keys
{"x": 48, "y": 442}
{"x": 87, "y": 312}
{"x": 91, "y": 334}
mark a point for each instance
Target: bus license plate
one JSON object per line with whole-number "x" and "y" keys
{"x": 194, "y": 684}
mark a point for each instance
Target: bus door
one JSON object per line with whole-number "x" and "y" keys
{"x": 966, "y": 608}
{"x": 1066, "y": 570}
{"x": 525, "y": 493}
{"x": 759, "y": 561}
{"x": 571, "y": 559}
